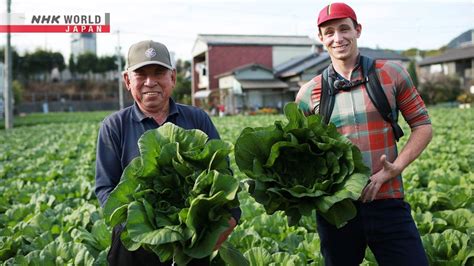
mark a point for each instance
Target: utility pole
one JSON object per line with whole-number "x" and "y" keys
{"x": 119, "y": 63}
{"x": 7, "y": 93}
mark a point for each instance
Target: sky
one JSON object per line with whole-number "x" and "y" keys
{"x": 395, "y": 24}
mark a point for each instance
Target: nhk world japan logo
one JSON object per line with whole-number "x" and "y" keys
{"x": 65, "y": 23}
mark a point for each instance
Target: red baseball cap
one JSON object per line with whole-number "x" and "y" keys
{"x": 336, "y": 11}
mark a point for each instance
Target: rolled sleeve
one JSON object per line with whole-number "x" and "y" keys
{"x": 309, "y": 95}
{"x": 409, "y": 101}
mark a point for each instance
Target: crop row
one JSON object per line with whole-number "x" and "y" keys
{"x": 49, "y": 214}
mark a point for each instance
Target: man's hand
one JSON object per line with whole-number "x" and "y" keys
{"x": 419, "y": 138}
{"x": 223, "y": 237}
{"x": 388, "y": 171}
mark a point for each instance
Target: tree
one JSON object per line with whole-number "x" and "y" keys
{"x": 430, "y": 53}
{"x": 182, "y": 91}
{"x": 86, "y": 63}
{"x": 187, "y": 65}
{"x": 440, "y": 88}
{"x": 412, "y": 71}
{"x": 412, "y": 52}
{"x": 72, "y": 66}
{"x": 16, "y": 62}
{"x": 178, "y": 66}
{"x": 39, "y": 62}
{"x": 57, "y": 60}
{"x": 17, "y": 91}
{"x": 182, "y": 66}
{"x": 106, "y": 63}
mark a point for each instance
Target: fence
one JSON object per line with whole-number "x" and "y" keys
{"x": 67, "y": 102}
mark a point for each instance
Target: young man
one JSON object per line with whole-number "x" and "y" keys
{"x": 150, "y": 78}
{"x": 383, "y": 220}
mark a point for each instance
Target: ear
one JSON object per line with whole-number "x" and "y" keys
{"x": 320, "y": 36}
{"x": 173, "y": 77}
{"x": 358, "y": 30}
{"x": 126, "y": 79}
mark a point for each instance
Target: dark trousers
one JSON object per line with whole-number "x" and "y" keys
{"x": 119, "y": 255}
{"x": 386, "y": 226}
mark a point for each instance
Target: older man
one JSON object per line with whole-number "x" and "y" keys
{"x": 150, "y": 78}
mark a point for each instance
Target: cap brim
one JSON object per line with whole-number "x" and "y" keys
{"x": 137, "y": 66}
{"x": 333, "y": 18}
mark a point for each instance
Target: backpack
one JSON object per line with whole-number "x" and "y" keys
{"x": 374, "y": 89}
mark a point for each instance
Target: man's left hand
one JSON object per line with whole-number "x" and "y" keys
{"x": 388, "y": 171}
{"x": 223, "y": 237}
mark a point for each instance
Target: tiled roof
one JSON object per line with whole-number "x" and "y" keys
{"x": 263, "y": 84}
{"x": 293, "y": 62}
{"x": 298, "y": 65}
{"x": 450, "y": 55}
{"x": 382, "y": 54}
{"x": 244, "y": 67}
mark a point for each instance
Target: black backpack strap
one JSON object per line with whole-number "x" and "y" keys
{"x": 326, "y": 102}
{"x": 378, "y": 97}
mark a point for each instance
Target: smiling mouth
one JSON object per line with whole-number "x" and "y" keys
{"x": 341, "y": 46}
{"x": 151, "y": 93}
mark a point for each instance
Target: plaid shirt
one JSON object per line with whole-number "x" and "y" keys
{"x": 357, "y": 118}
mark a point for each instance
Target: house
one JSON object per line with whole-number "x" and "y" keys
{"x": 385, "y": 55}
{"x": 218, "y": 54}
{"x": 251, "y": 87}
{"x": 457, "y": 60}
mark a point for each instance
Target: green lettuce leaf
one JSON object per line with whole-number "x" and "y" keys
{"x": 174, "y": 198}
{"x": 300, "y": 166}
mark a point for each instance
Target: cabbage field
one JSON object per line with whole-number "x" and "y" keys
{"x": 49, "y": 214}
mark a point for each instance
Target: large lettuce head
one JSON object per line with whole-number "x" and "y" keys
{"x": 302, "y": 165}
{"x": 174, "y": 199}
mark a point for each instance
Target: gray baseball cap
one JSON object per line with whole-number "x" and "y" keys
{"x": 148, "y": 53}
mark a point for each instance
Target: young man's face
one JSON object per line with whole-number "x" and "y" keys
{"x": 151, "y": 86}
{"x": 340, "y": 38}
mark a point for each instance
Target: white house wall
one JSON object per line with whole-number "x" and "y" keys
{"x": 450, "y": 68}
{"x": 199, "y": 48}
{"x": 226, "y": 82}
{"x": 254, "y": 99}
{"x": 446, "y": 68}
{"x": 203, "y": 75}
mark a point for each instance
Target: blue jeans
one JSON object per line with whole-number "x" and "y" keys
{"x": 386, "y": 226}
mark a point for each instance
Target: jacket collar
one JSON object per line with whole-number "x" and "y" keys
{"x": 139, "y": 116}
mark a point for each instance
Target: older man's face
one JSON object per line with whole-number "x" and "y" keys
{"x": 151, "y": 87}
